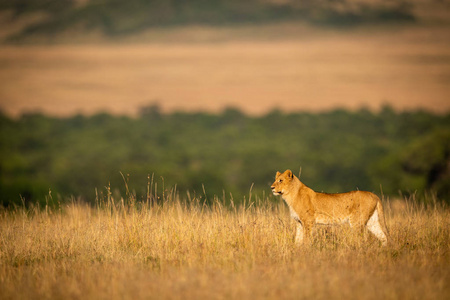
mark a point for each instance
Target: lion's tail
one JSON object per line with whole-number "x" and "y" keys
{"x": 381, "y": 217}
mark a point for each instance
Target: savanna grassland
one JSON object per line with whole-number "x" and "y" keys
{"x": 310, "y": 71}
{"x": 66, "y": 57}
{"x": 215, "y": 96}
{"x": 180, "y": 248}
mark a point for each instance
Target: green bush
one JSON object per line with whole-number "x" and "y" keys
{"x": 225, "y": 153}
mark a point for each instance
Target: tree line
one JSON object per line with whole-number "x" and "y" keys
{"x": 221, "y": 154}
{"x": 115, "y": 18}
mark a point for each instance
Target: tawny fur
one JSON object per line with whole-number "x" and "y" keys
{"x": 308, "y": 207}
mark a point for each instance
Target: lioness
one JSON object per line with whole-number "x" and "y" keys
{"x": 309, "y": 207}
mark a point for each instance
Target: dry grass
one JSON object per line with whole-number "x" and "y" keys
{"x": 292, "y": 69}
{"x": 185, "y": 250}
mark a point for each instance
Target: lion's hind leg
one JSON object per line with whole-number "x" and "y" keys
{"x": 356, "y": 222}
{"x": 374, "y": 226}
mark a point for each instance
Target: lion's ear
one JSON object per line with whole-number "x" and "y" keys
{"x": 289, "y": 174}
{"x": 278, "y": 174}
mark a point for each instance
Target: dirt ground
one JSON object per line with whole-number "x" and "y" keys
{"x": 407, "y": 68}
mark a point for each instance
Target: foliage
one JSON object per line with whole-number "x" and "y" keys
{"x": 208, "y": 154}
{"x": 423, "y": 164}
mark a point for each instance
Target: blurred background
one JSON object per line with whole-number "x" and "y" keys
{"x": 215, "y": 96}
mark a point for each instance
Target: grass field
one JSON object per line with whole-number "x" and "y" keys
{"x": 290, "y": 67}
{"x": 182, "y": 249}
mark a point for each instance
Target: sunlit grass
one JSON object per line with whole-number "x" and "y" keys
{"x": 181, "y": 248}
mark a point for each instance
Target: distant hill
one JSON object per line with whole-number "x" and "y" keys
{"x": 48, "y": 19}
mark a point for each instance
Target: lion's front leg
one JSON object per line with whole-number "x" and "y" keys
{"x": 303, "y": 234}
{"x": 299, "y": 236}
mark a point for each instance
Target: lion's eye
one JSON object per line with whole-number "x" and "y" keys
{"x": 281, "y": 180}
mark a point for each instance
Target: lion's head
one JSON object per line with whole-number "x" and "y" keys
{"x": 282, "y": 182}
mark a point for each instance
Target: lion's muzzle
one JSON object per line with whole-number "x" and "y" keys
{"x": 275, "y": 192}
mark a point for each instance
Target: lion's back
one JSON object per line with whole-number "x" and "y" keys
{"x": 345, "y": 204}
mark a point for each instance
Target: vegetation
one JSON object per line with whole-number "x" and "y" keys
{"x": 113, "y": 18}
{"x": 46, "y": 159}
{"x": 181, "y": 248}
